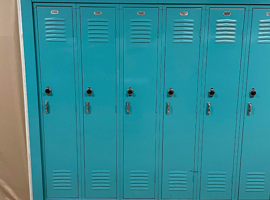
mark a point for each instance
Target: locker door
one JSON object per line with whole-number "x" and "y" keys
{"x": 56, "y": 63}
{"x": 140, "y": 75}
{"x": 255, "y": 170}
{"x": 183, "y": 26}
{"x": 99, "y": 94}
{"x": 222, "y": 80}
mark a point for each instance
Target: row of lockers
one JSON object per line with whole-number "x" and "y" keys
{"x": 149, "y": 102}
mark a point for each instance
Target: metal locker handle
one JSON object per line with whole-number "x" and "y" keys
{"x": 47, "y": 107}
{"x": 128, "y": 107}
{"x": 249, "y": 109}
{"x": 87, "y": 106}
{"x": 168, "y": 108}
{"x": 208, "y": 108}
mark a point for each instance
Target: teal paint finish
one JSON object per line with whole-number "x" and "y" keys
{"x": 181, "y": 74}
{"x": 32, "y": 99}
{"x": 55, "y": 36}
{"x": 222, "y": 73}
{"x": 140, "y": 72}
{"x": 209, "y": 2}
{"x": 142, "y": 150}
{"x": 254, "y": 176}
{"x": 98, "y": 41}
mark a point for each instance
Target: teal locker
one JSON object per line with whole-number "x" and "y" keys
{"x": 142, "y": 101}
{"x": 182, "y": 55}
{"x": 57, "y": 85}
{"x": 224, "y": 50}
{"x": 99, "y": 69}
{"x": 140, "y": 62}
{"x": 255, "y": 170}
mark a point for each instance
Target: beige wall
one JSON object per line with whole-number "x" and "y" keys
{"x": 13, "y": 155}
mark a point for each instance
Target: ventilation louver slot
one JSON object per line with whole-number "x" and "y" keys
{"x": 55, "y": 29}
{"x": 183, "y": 31}
{"x": 140, "y": 31}
{"x": 264, "y": 32}
{"x": 98, "y": 30}
{"x": 101, "y": 180}
{"x": 177, "y": 181}
{"x": 62, "y": 180}
{"x": 139, "y": 180}
{"x": 255, "y": 182}
{"x": 226, "y": 31}
{"x": 216, "y": 182}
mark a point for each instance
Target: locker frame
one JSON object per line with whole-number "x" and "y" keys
{"x": 32, "y": 98}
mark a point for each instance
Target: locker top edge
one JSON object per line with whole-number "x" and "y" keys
{"x": 207, "y": 2}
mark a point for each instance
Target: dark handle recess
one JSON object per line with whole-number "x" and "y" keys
{"x": 252, "y": 93}
{"x": 211, "y": 92}
{"x": 48, "y": 90}
{"x": 130, "y": 91}
{"x": 89, "y": 91}
{"x": 170, "y": 92}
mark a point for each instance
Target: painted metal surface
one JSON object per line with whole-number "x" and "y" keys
{"x": 55, "y": 36}
{"x": 94, "y": 173}
{"x": 98, "y": 41}
{"x": 254, "y": 180}
{"x": 222, "y": 2}
{"x": 140, "y": 45}
{"x": 183, "y": 31}
{"x": 29, "y": 50}
{"x": 224, "y": 50}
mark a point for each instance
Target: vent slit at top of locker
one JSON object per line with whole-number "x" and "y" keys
{"x": 225, "y": 30}
{"x": 264, "y": 32}
{"x": 98, "y": 30}
{"x": 183, "y": 31}
{"x": 140, "y": 31}
{"x": 55, "y": 29}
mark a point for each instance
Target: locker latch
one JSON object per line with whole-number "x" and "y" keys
{"x": 87, "y": 107}
{"x": 208, "y": 108}
{"x": 249, "y": 109}
{"x": 47, "y": 107}
{"x": 168, "y": 108}
{"x": 127, "y": 105}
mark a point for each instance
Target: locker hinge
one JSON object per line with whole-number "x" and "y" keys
{"x": 115, "y": 33}
{"x": 156, "y": 109}
{"x": 115, "y": 108}
{"x": 115, "y": 177}
{"x": 73, "y": 32}
{"x": 155, "y": 178}
{"x": 157, "y": 34}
